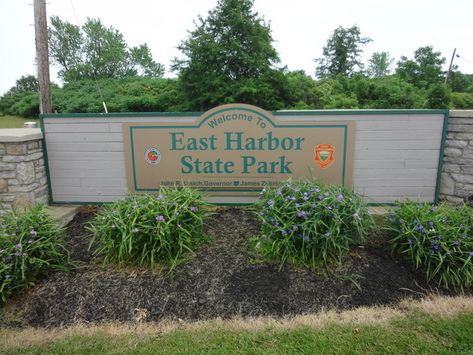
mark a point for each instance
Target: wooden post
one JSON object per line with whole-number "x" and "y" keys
{"x": 42, "y": 56}
{"x": 450, "y": 66}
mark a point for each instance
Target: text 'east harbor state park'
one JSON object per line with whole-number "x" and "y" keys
{"x": 237, "y": 144}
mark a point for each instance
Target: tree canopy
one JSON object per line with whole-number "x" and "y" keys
{"x": 342, "y": 53}
{"x": 424, "y": 70}
{"x": 229, "y": 57}
{"x": 95, "y": 51}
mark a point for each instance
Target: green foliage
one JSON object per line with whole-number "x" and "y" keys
{"x": 462, "y": 100}
{"x": 135, "y": 94}
{"x": 379, "y": 65}
{"x": 30, "y": 246}
{"x": 309, "y": 223}
{"x": 437, "y": 239}
{"x": 459, "y": 82}
{"x": 95, "y": 51}
{"x": 424, "y": 70}
{"x": 439, "y": 96}
{"x": 341, "y": 54}
{"x": 228, "y": 58}
{"x": 150, "y": 230}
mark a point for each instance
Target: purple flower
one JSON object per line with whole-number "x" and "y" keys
{"x": 193, "y": 209}
{"x": 283, "y": 232}
{"x": 159, "y": 197}
{"x": 470, "y": 253}
{"x": 30, "y": 241}
{"x": 33, "y": 232}
{"x": 340, "y": 198}
{"x": 392, "y": 219}
{"x": 279, "y": 192}
{"x": 301, "y": 214}
{"x": 298, "y": 205}
{"x": 160, "y": 218}
{"x": 433, "y": 209}
{"x": 456, "y": 242}
{"x": 409, "y": 241}
{"x": 271, "y": 203}
{"x": 17, "y": 254}
{"x": 295, "y": 227}
{"x": 19, "y": 245}
{"x": 431, "y": 223}
{"x": 314, "y": 205}
{"x": 24, "y": 254}
{"x": 392, "y": 213}
{"x": 356, "y": 216}
{"x": 276, "y": 224}
{"x": 326, "y": 194}
{"x": 401, "y": 221}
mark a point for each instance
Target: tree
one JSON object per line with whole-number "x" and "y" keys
{"x": 379, "y": 65}
{"x": 94, "y": 51}
{"x": 341, "y": 54}
{"x": 229, "y": 57}
{"x": 439, "y": 96}
{"x": 424, "y": 70}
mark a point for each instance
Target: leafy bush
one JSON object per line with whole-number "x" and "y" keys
{"x": 148, "y": 229}
{"x": 309, "y": 223}
{"x": 30, "y": 246}
{"x": 438, "y": 239}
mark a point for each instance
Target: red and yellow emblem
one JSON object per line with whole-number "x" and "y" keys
{"x": 323, "y": 155}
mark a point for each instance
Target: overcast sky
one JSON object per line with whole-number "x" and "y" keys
{"x": 300, "y": 28}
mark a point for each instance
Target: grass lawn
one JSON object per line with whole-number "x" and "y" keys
{"x": 431, "y": 328}
{"x": 14, "y": 121}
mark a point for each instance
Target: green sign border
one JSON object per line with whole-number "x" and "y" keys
{"x": 132, "y": 128}
{"x": 444, "y": 112}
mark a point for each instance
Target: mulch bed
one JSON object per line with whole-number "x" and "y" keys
{"x": 222, "y": 280}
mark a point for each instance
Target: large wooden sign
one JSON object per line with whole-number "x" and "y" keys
{"x": 235, "y": 150}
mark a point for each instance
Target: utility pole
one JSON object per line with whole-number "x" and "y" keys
{"x": 42, "y": 56}
{"x": 450, "y": 66}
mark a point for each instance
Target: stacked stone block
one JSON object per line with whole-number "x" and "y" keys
{"x": 457, "y": 173}
{"x": 23, "y": 179}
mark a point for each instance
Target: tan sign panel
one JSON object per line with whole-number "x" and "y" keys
{"x": 235, "y": 150}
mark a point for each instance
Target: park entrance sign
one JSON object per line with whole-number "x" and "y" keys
{"x": 232, "y": 151}
{"x": 236, "y": 150}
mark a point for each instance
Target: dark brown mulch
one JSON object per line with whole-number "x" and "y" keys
{"x": 222, "y": 280}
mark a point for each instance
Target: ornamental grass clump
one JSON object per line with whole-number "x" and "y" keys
{"x": 437, "y": 239}
{"x": 309, "y": 223}
{"x": 31, "y": 245}
{"x": 150, "y": 229}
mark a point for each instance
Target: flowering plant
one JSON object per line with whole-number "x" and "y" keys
{"x": 310, "y": 223}
{"x": 30, "y": 246}
{"x": 146, "y": 229}
{"x": 438, "y": 239}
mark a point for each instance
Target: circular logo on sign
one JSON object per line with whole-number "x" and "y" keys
{"x": 152, "y": 156}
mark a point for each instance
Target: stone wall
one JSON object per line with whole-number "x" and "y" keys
{"x": 457, "y": 173}
{"x": 22, "y": 173}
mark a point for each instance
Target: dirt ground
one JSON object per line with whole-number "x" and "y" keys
{"x": 222, "y": 280}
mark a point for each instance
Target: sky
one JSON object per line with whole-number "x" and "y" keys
{"x": 300, "y": 28}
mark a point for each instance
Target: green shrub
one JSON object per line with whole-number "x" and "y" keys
{"x": 147, "y": 230}
{"x": 437, "y": 239}
{"x": 30, "y": 246}
{"x": 308, "y": 223}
